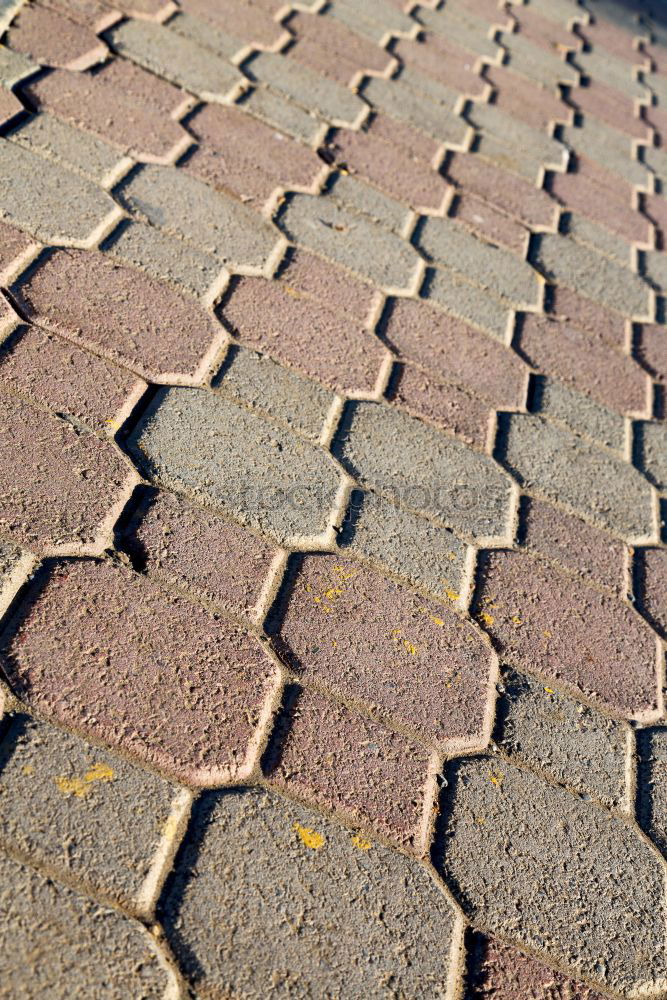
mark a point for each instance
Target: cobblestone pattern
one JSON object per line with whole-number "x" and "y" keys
{"x": 332, "y": 378}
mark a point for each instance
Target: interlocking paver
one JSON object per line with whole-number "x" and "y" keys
{"x": 57, "y": 942}
{"x": 568, "y": 630}
{"x": 74, "y": 149}
{"x": 540, "y": 63}
{"x": 372, "y": 19}
{"x": 652, "y": 786}
{"x": 182, "y": 546}
{"x": 503, "y": 187}
{"x": 488, "y": 222}
{"x": 605, "y": 324}
{"x": 576, "y": 191}
{"x": 367, "y": 638}
{"x": 281, "y": 113}
{"x": 50, "y": 39}
{"x": 13, "y": 243}
{"x": 565, "y": 739}
{"x": 579, "y": 413}
{"x": 254, "y": 849}
{"x": 443, "y": 60}
{"x": 248, "y": 22}
{"x": 403, "y": 135}
{"x": 151, "y": 327}
{"x": 536, "y": 106}
{"x": 651, "y": 567}
{"x": 410, "y": 106}
{"x": 604, "y": 67}
{"x": 270, "y": 479}
{"x": 467, "y": 301}
{"x": 10, "y": 106}
{"x": 601, "y": 143}
{"x": 352, "y": 193}
{"x": 651, "y": 446}
{"x": 601, "y": 916}
{"x": 329, "y": 47}
{"x": 442, "y": 403}
{"x": 78, "y": 809}
{"x": 652, "y": 350}
{"x": 514, "y": 145}
{"x": 315, "y": 277}
{"x": 173, "y": 686}
{"x": 610, "y": 106}
{"x": 460, "y": 25}
{"x": 333, "y": 757}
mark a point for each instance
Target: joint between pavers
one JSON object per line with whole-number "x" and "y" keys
{"x": 171, "y": 836}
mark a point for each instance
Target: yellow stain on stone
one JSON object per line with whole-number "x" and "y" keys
{"x": 549, "y": 690}
{"x": 497, "y": 778}
{"x": 72, "y": 786}
{"x": 516, "y": 620}
{"x": 80, "y": 787}
{"x": 412, "y": 650}
{"x": 29, "y": 770}
{"x": 547, "y": 634}
{"x": 361, "y": 842}
{"x": 487, "y": 618}
{"x": 99, "y": 772}
{"x": 170, "y": 827}
{"x": 311, "y": 838}
{"x": 453, "y": 595}
{"x": 436, "y": 621}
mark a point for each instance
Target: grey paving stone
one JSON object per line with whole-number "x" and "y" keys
{"x": 72, "y": 148}
{"x": 655, "y": 268}
{"x": 325, "y": 97}
{"x": 608, "y": 147}
{"x": 542, "y": 867}
{"x": 181, "y": 205}
{"x": 201, "y": 444}
{"x": 427, "y": 471}
{"x": 269, "y": 388}
{"x": 206, "y": 35}
{"x": 651, "y": 438}
{"x": 462, "y": 28}
{"x": 347, "y": 238}
{"x": 604, "y": 67}
{"x": 286, "y": 901}
{"x": 447, "y": 242}
{"x": 593, "y": 275}
{"x": 9, "y": 557}
{"x": 656, "y": 159}
{"x": 536, "y": 63}
{"x": 602, "y": 240}
{"x": 570, "y": 742}
{"x": 408, "y": 105}
{"x": 14, "y": 65}
{"x": 461, "y": 297}
{"x": 513, "y": 144}
{"x": 71, "y": 806}
{"x": 276, "y": 110}
{"x": 58, "y": 944}
{"x": 580, "y": 413}
{"x": 352, "y": 193}
{"x": 558, "y": 11}
{"x": 49, "y": 202}
{"x": 652, "y": 785}
{"x": 420, "y": 551}
{"x": 588, "y": 480}
{"x": 174, "y": 57}
{"x": 372, "y": 19}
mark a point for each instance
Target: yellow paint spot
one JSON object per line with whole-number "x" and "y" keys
{"x": 311, "y": 838}
{"x": 170, "y": 827}
{"x": 452, "y": 595}
{"x": 497, "y": 778}
{"x": 345, "y": 574}
{"x": 361, "y": 842}
{"x": 412, "y": 650}
{"x": 72, "y": 786}
{"x": 549, "y": 690}
{"x": 29, "y": 769}
{"x": 487, "y": 618}
{"x": 516, "y": 620}
{"x": 437, "y": 621}
{"x": 99, "y": 772}
{"x": 547, "y": 634}
{"x": 113, "y": 424}
{"x": 395, "y": 632}
{"x": 332, "y": 592}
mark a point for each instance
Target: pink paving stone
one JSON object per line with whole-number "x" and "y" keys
{"x": 535, "y": 106}
{"x": 574, "y": 545}
{"x": 612, "y": 107}
{"x": 136, "y": 320}
{"x": 9, "y": 105}
{"x": 244, "y": 21}
{"x": 621, "y": 191}
{"x": 489, "y": 222}
{"x": 91, "y": 13}
{"x": 54, "y": 373}
{"x": 192, "y": 548}
{"x": 443, "y": 404}
{"x": 653, "y": 564}
{"x": 442, "y": 60}
{"x": 314, "y": 277}
{"x": 242, "y": 155}
{"x": 12, "y": 243}
{"x": 544, "y": 32}
{"x": 653, "y": 350}
{"x": 53, "y": 40}
{"x": 578, "y": 192}
{"x": 329, "y": 47}
{"x": 603, "y": 323}
{"x": 604, "y": 34}
{"x": 303, "y": 333}
{"x": 138, "y": 85}
{"x": 366, "y": 638}
{"x": 606, "y": 374}
{"x": 547, "y": 622}
{"x": 154, "y": 675}
{"x": 57, "y": 487}
{"x": 149, "y": 9}
{"x": 514, "y": 194}
{"x": 391, "y": 169}
{"x": 656, "y": 117}
{"x": 421, "y": 146}
{"x": 502, "y": 972}
{"x": 456, "y": 352}
{"x": 92, "y": 102}
{"x": 655, "y": 207}
{"x": 336, "y": 758}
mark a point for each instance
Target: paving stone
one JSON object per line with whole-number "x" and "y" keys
{"x": 355, "y": 195}
{"x": 550, "y": 29}
{"x": 90, "y": 13}
{"x": 606, "y": 145}
{"x": 58, "y": 485}
{"x": 332, "y": 757}
{"x": 515, "y": 145}
{"x": 441, "y": 403}
{"x": 403, "y": 135}
{"x": 151, "y": 328}
{"x": 568, "y": 630}
{"x": 505, "y": 973}
{"x": 588, "y": 480}
{"x": 651, "y": 444}
{"x": 77, "y": 809}
{"x": 327, "y": 46}
{"x": 51, "y": 203}
{"x": 400, "y": 101}
{"x": 578, "y": 192}
{"x": 539, "y": 64}
{"x": 10, "y": 106}
{"x": 190, "y": 548}
{"x": 461, "y": 26}
{"x": 240, "y": 154}
{"x": 652, "y": 350}
{"x": 316, "y": 278}
{"x": 605, "y": 68}
{"x": 438, "y": 57}
{"x": 277, "y": 111}
{"x": 579, "y": 413}
{"x": 206, "y": 36}
{"x": 447, "y": 242}
{"x": 432, "y": 473}
{"x": 163, "y": 257}
{"x": 175, "y": 58}
{"x": 183, "y": 206}
{"x": 371, "y": 19}
{"x": 452, "y": 350}
{"x": 58, "y": 943}
{"x": 571, "y": 543}
{"x": 565, "y": 739}
{"x": 73, "y": 149}
{"x": 71, "y": 382}
{"x": 13, "y": 66}
{"x": 593, "y": 275}
{"x": 617, "y": 39}
{"x": 271, "y": 480}
{"x": 284, "y": 321}
{"x": 611, "y": 378}
{"x": 174, "y": 687}
{"x": 348, "y": 239}
{"x": 47, "y": 37}
{"x": 143, "y": 87}
{"x": 256, "y": 381}
{"x": 252, "y": 850}
{"x": 491, "y": 224}
{"x": 248, "y": 22}
{"x": 510, "y": 192}
{"x": 602, "y": 917}
{"x": 87, "y": 101}
{"x": 466, "y": 301}
{"x": 328, "y": 99}
{"x": 598, "y": 237}
{"x": 652, "y": 786}
{"x": 365, "y": 637}
{"x": 396, "y": 539}
{"x": 10, "y": 556}
{"x": 651, "y": 573}
{"x": 610, "y": 106}
{"x": 605, "y": 324}
{"x": 654, "y": 270}
{"x": 12, "y": 244}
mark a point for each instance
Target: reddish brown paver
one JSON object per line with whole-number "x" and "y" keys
{"x": 307, "y": 275}
{"x": 612, "y": 107}
{"x": 53, "y": 40}
{"x": 249, "y": 22}
{"x": 154, "y": 675}
{"x": 404, "y": 136}
{"x": 364, "y": 637}
{"x": 12, "y": 244}
{"x": 136, "y": 320}
{"x": 57, "y": 486}
{"x": 512, "y": 193}
{"x": 92, "y": 13}
{"x": 652, "y": 572}
{"x": 653, "y": 350}
{"x": 490, "y": 222}
{"x": 329, "y": 47}
{"x": 139, "y": 85}
{"x": 335, "y": 757}
{"x": 442, "y": 59}
{"x": 537, "y": 107}
{"x": 448, "y": 406}
{"x": 10, "y": 106}
{"x": 593, "y": 317}
{"x": 567, "y": 630}
{"x": 578, "y": 192}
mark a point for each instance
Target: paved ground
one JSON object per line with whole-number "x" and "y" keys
{"x": 334, "y": 577}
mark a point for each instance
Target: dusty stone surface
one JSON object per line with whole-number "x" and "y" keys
{"x": 652, "y": 448}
